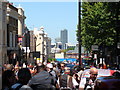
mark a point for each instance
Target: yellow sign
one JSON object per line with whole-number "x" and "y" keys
{"x": 38, "y": 58}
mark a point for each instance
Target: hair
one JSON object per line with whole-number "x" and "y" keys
{"x": 9, "y": 67}
{"x": 24, "y": 76}
{"x": 8, "y": 78}
{"x": 39, "y": 68}
{"x": 93, "y": 69}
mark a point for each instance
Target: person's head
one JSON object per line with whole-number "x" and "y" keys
{"x": 24, "y": 76}
{"x": 8, "y": 78}
{"x": 62, "y": 65}
{"x": 49, "y": 67}
{"x": 40, "y": 68}
{"x": 93, "y": 73}
{"x": 9, "y": 67}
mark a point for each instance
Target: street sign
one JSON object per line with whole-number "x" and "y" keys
{"x": 94, "y": 47}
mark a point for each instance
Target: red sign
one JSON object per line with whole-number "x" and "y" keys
{"x": 20, "y": 39}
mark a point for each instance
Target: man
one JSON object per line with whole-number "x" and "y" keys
{"x": 62, "y": 68}
{"x": 65, "y": 80}
{"x": 42, "y": 80}
{"x": 88, "y": 83}
{"x": 49, "y": 68}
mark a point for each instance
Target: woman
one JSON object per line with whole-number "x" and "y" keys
{"x": 8, "y": 79}
{"x": 24, "y": 76}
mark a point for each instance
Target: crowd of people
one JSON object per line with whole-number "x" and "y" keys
{"x": 50, "y": 76}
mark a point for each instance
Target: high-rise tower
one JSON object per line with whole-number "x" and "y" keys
{"x": 64, "y": 38}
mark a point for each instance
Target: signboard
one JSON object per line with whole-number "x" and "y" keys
{"x": 94, "y": 47}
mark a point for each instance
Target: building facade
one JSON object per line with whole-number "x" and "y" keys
{"x": 12, "y": 31}
{"x": 15, "y": 24}
{"x": 42, "y": 45}
{"x": 47, "y": 44}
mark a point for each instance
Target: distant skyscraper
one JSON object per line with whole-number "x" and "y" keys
{"x": 64, "y": 38}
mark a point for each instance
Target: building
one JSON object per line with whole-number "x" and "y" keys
{"x": 59, "y": 45}
{"x": 21, "y": 18}
{"x": 3, "y": 33}
{"x": 12, "y": 33}
{"x": 32, "y": 41}
{"x": 42, "y": 44}
{"x": 15, "y": 28}
{"x": 69, "y": 46}
{"x": 47, "y": 44}
{"x": 64, "y": 38}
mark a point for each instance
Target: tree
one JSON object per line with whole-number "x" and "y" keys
{"x": 98, "y": 24}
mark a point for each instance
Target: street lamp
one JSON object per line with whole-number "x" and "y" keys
{"x": 79, "y": 31}
{"x": 35, "y": 39}
{"x": 42, "y": 29}
{"x": 26, "y": 34}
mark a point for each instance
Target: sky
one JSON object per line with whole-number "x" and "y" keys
{"x": 53, "y": 16}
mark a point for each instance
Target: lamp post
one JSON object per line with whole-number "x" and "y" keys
{"x": 42, "y": 29}
{"x": 79, "y": 32}
{"x": 35, "y": 39}
{"x": 26, "y": 43}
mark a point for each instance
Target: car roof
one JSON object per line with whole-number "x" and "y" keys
{"x": 101, "y": 72}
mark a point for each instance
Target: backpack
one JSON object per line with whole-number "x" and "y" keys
{"x": 16, "y": 86}
{"x": 63, "y": 80}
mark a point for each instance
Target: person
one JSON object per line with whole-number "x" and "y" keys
{"x": 8, "y": 79}
{"x": 88, "y": 83}
{"x": 77, "y": 76}
{"x": 49, "y": 68}
{"x": 42, "y": 80}
{"x": 62, "y": 66}
{"x": 24, "y": 76}
{"x": 9, "y": 67}
{"x": 65, "y": 80}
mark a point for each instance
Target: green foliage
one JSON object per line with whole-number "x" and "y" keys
{"x": 51, "y": 59}
{"x": 72, "y": 48}
{"x": 97, "y": 24}
{"x": 65, "y": 50}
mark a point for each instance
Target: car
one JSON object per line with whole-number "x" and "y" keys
{"x": 70, "y": 65}
{"x": 108, "y": 83}
{"x": 106, "y": 79}
{"x": 101, "y": 73}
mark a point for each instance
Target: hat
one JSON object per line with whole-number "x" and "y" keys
{"x": 49, "y": 65}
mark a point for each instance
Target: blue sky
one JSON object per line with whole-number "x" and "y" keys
{"x": 53, "y": 16}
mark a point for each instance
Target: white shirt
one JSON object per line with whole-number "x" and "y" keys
{"x": 83, "y": 82}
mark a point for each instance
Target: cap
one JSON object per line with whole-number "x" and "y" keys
{"x": 49, "y": 65}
